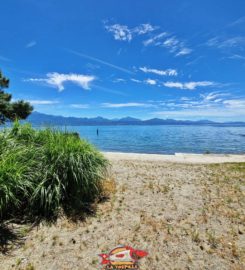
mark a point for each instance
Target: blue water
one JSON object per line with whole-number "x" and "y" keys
{"x": 165, "y": 139}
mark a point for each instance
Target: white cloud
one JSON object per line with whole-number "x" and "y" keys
{"x": 124, "y": 33}
{"x": 123, "y": 105}
{"x": 147, "y": 81}
{"x": 223, "y": 114}
{"x": 135, "y": 80}
{"x": 233, "y": 42}
{"x": 188, "y": 85}
{"x": 209, "y": 105}
{"x": 205, "y": 107}
{"x": 184, "y": 51}
{"x": 42, "y": 102}
{"x": 237, "y": 57}
{"x": 80, "y": 106}
{"x": 194, "y": 85}
{"x": 144, "y": 29}
{"x": 185, "y": 99}
{"x": 120, "y": 32}
{"x": 174, "y": 85}
{"x": 213, "y": 42}
{"x": 224, "y": 43}
{"x": 167, "y": 72}
{"x": 57, "y": 80}
{"x": 118, "y": 80}
{"x": 163, "y": 39}
{"x": 155, "y": 40}
{"x": 172, "y": 43}
{"x": 235, "y": 103}
{"x": 213, "y": 96}
{"x": 175, "y": 46}
{"x": 151, "y": 82}
{"x": 31, "y": 44}
{"x": 218, "y": 100}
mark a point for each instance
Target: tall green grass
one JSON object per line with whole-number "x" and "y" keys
{"x": 43, "y": 171}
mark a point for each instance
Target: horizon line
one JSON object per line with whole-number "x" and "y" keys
{"x": 139, "y": 119}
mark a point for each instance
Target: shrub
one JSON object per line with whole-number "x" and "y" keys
{"x": 44, "y": 170}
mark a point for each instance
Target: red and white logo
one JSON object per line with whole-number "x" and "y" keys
{"x": 122, "y": 256}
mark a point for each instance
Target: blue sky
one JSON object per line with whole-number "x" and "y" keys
{"x": 167, "y": 59}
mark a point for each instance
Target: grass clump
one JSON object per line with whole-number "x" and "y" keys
{"x": 42, "y": 171}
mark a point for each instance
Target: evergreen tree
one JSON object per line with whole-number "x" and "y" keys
{"x": 10, "y": 111}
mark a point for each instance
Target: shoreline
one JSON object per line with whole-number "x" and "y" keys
{"x": 178, "y": 157}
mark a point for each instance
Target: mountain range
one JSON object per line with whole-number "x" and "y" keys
{"x": 37, "y": 118}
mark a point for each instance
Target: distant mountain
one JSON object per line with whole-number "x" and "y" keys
{"x": 37, "y": 118}
{"x": 128, "y": 119}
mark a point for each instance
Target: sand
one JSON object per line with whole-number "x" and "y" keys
{"x": 186, "y": 213}
{"x": 178, "y": 157}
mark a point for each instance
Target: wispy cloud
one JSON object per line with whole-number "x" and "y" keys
{"x": 42, "y": 102}
{"x": 212, "y": 99}
{"x": 236, "y": 57}
{"x": 214, "y": 96}
{"x": 124, "y": 33}
{"x": 100, "y": 61}
{"x": 176, "y": 46}
{"x": 80, "y": 106}
{"x": 208, "y": 100}
{"x": 120, "y": 32}
{"x": 146, "y": 81}
{"x": 224, "y": 43}
{"x": 235, "y": 103}
{"x": 195, "y": 60}
{"x": 167, "y": 72}
{"x": 5, "y": 59}
{"x": 151, "y": 81}
{"x": 118, "y": 80}
{"x": 57, "y": 80}
{"x": 144, "y": 29}
{"x": 237, "y": 22}
{"x": 164, "y": 39}
{"x": 214, "y": 104}
{"x": 135, "y": 80}
{"x": 188, "y": 85}
{"x": 31, "y": 44}
{"x": 155, "y": 40}
{"x": 223, "y": 114}
{"x": 184, "y": 51}
{"x": 128, "y": 104}
{"x": 170, "y": 42}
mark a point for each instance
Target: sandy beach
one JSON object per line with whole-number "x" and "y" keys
{"x": 177, "y": 158}
{"x": 186, "y": 211}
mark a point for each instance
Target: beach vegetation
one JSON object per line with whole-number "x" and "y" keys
{"x": 44, "y": 171}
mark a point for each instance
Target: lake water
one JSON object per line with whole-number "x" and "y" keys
{"x": 165, "y": 139}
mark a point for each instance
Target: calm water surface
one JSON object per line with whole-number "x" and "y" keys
{"x": 165, "y": 139}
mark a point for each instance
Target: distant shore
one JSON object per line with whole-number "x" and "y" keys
{"x": 178, "y": 157}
